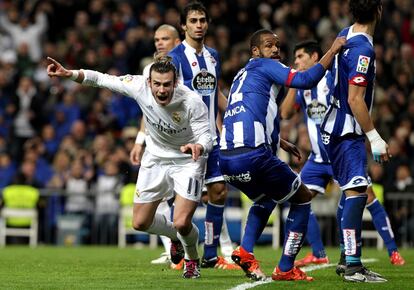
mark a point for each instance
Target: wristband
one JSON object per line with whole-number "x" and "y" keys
{"x": 140, "y": 138}
{"x": 75, "y": 75}
{"x": 373, "y": 135}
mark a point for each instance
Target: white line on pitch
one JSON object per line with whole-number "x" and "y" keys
{"x": 249, "y": 285}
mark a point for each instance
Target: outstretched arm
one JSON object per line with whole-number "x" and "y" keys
{"x": 128, "y": 85}
{"x": 55, "y": 69}
{"x": 310, "y": 78}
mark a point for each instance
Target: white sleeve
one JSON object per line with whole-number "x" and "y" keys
{"x": 41, "y": 23}
{"x": 128, "y": 85}
{"x": 200, "y": 124}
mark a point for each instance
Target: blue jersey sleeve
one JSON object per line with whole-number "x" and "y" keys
{"x": 361, "y": 68}
{"x": 307, "y": 79}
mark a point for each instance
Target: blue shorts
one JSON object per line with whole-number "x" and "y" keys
{"x": 349, "y": 161}
{"x": 213, "y": 173}
{"x": 257, "y": 173}
{"x": 316, "y": 176}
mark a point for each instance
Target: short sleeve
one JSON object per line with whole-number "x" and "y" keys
{"x": 361, "y": 68}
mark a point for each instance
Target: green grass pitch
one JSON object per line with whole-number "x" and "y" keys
{"x": 113, "y": 268}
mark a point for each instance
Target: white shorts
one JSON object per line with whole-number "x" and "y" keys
{"x": 161, "y": 178}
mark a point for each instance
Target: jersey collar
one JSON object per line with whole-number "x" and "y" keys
{"x": 352, "y": 34}
{"x": 192, "y": 49}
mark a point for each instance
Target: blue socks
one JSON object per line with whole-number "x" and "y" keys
{"x": 314, "y": 237}
{"x": 351, "y": 228}
{"x": 382, "y": 225}
{"x": 339, "y": 221}
{"x": 213, "y": 224}
{"x": 257, "y": 219}
{"x": 296, "y": 226}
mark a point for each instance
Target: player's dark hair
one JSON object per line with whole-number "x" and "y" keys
{"x": 309, "y": 46}
{"x": 364, "y": 11}
{"x": 255, "y": 39}
{"x": 163, "y": 64}
{"x": 193, "y": 6}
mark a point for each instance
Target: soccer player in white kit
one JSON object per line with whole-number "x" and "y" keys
{"x": 174, "y": 161}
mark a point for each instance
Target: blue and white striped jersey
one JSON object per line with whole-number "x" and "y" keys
{"x": 355, "y": 65}
{"x": 251, "y": 118}
{"x": 314, "y": 104}
{"x": 200, "y": 73}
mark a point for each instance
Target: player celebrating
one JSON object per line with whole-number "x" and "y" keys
{"x": 165, "y": 38}
{"x": 250, "y": 129}
{"x": 177, "y": 124}
{"x": 345, "y": 124}
{"x": 199, "y": 69}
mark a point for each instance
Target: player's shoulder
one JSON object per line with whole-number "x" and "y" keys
{"x": 132, "y": 79}
{"x": 178, "y": 50}
{"x": 264, "y": 65}
{"x": 188, "y": 96}
{"x": 211, "y": 50}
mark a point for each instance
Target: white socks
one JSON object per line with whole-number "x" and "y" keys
{"x": 226, "y": 245}
{"x": 161, "y": 226}
{"x": 190, "y": 243}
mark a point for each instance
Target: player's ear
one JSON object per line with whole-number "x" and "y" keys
{"x": 255, "y": 51}
{"x": 315, "y": 56}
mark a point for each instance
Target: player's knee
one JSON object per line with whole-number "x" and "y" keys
{"x": 182, "y": 225}
{"x": 313, "y": 193}
{"x": 217, "y": 194}
{"x": 140, "y": 225}
{"x": 371, "y": 196}
{"x": 302, "y": 195}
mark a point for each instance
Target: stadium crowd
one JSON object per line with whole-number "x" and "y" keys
{"x": 56, "y": 134}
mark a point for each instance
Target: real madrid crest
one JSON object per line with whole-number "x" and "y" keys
{"x": 176, "y": 116}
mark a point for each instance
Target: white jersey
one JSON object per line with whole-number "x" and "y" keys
{"x": 183, "y": 121}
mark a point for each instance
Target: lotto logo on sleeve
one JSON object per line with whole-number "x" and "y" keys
{"x": 363, "y": 64}
{"x": 359, "y": 80}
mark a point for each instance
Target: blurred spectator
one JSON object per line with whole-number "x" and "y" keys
{"x": 26, "y": 32}
{"x": 80, "y": 135}
{"x": 77, "y": 189}
{"x": 7, "y": 169}
{"x": 50, "y": 141}
{"x": 335, "y": 21}
{"x": 106, "y": 204}
{"x": 27, "y": 113}
{"x": 403, "y": 179}
{"x": 61, "y": 166}
{"x": 26, "y": 175}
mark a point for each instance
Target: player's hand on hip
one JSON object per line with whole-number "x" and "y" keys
{"x": 194, "y": 149}
{"x": 55, "y": 69}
